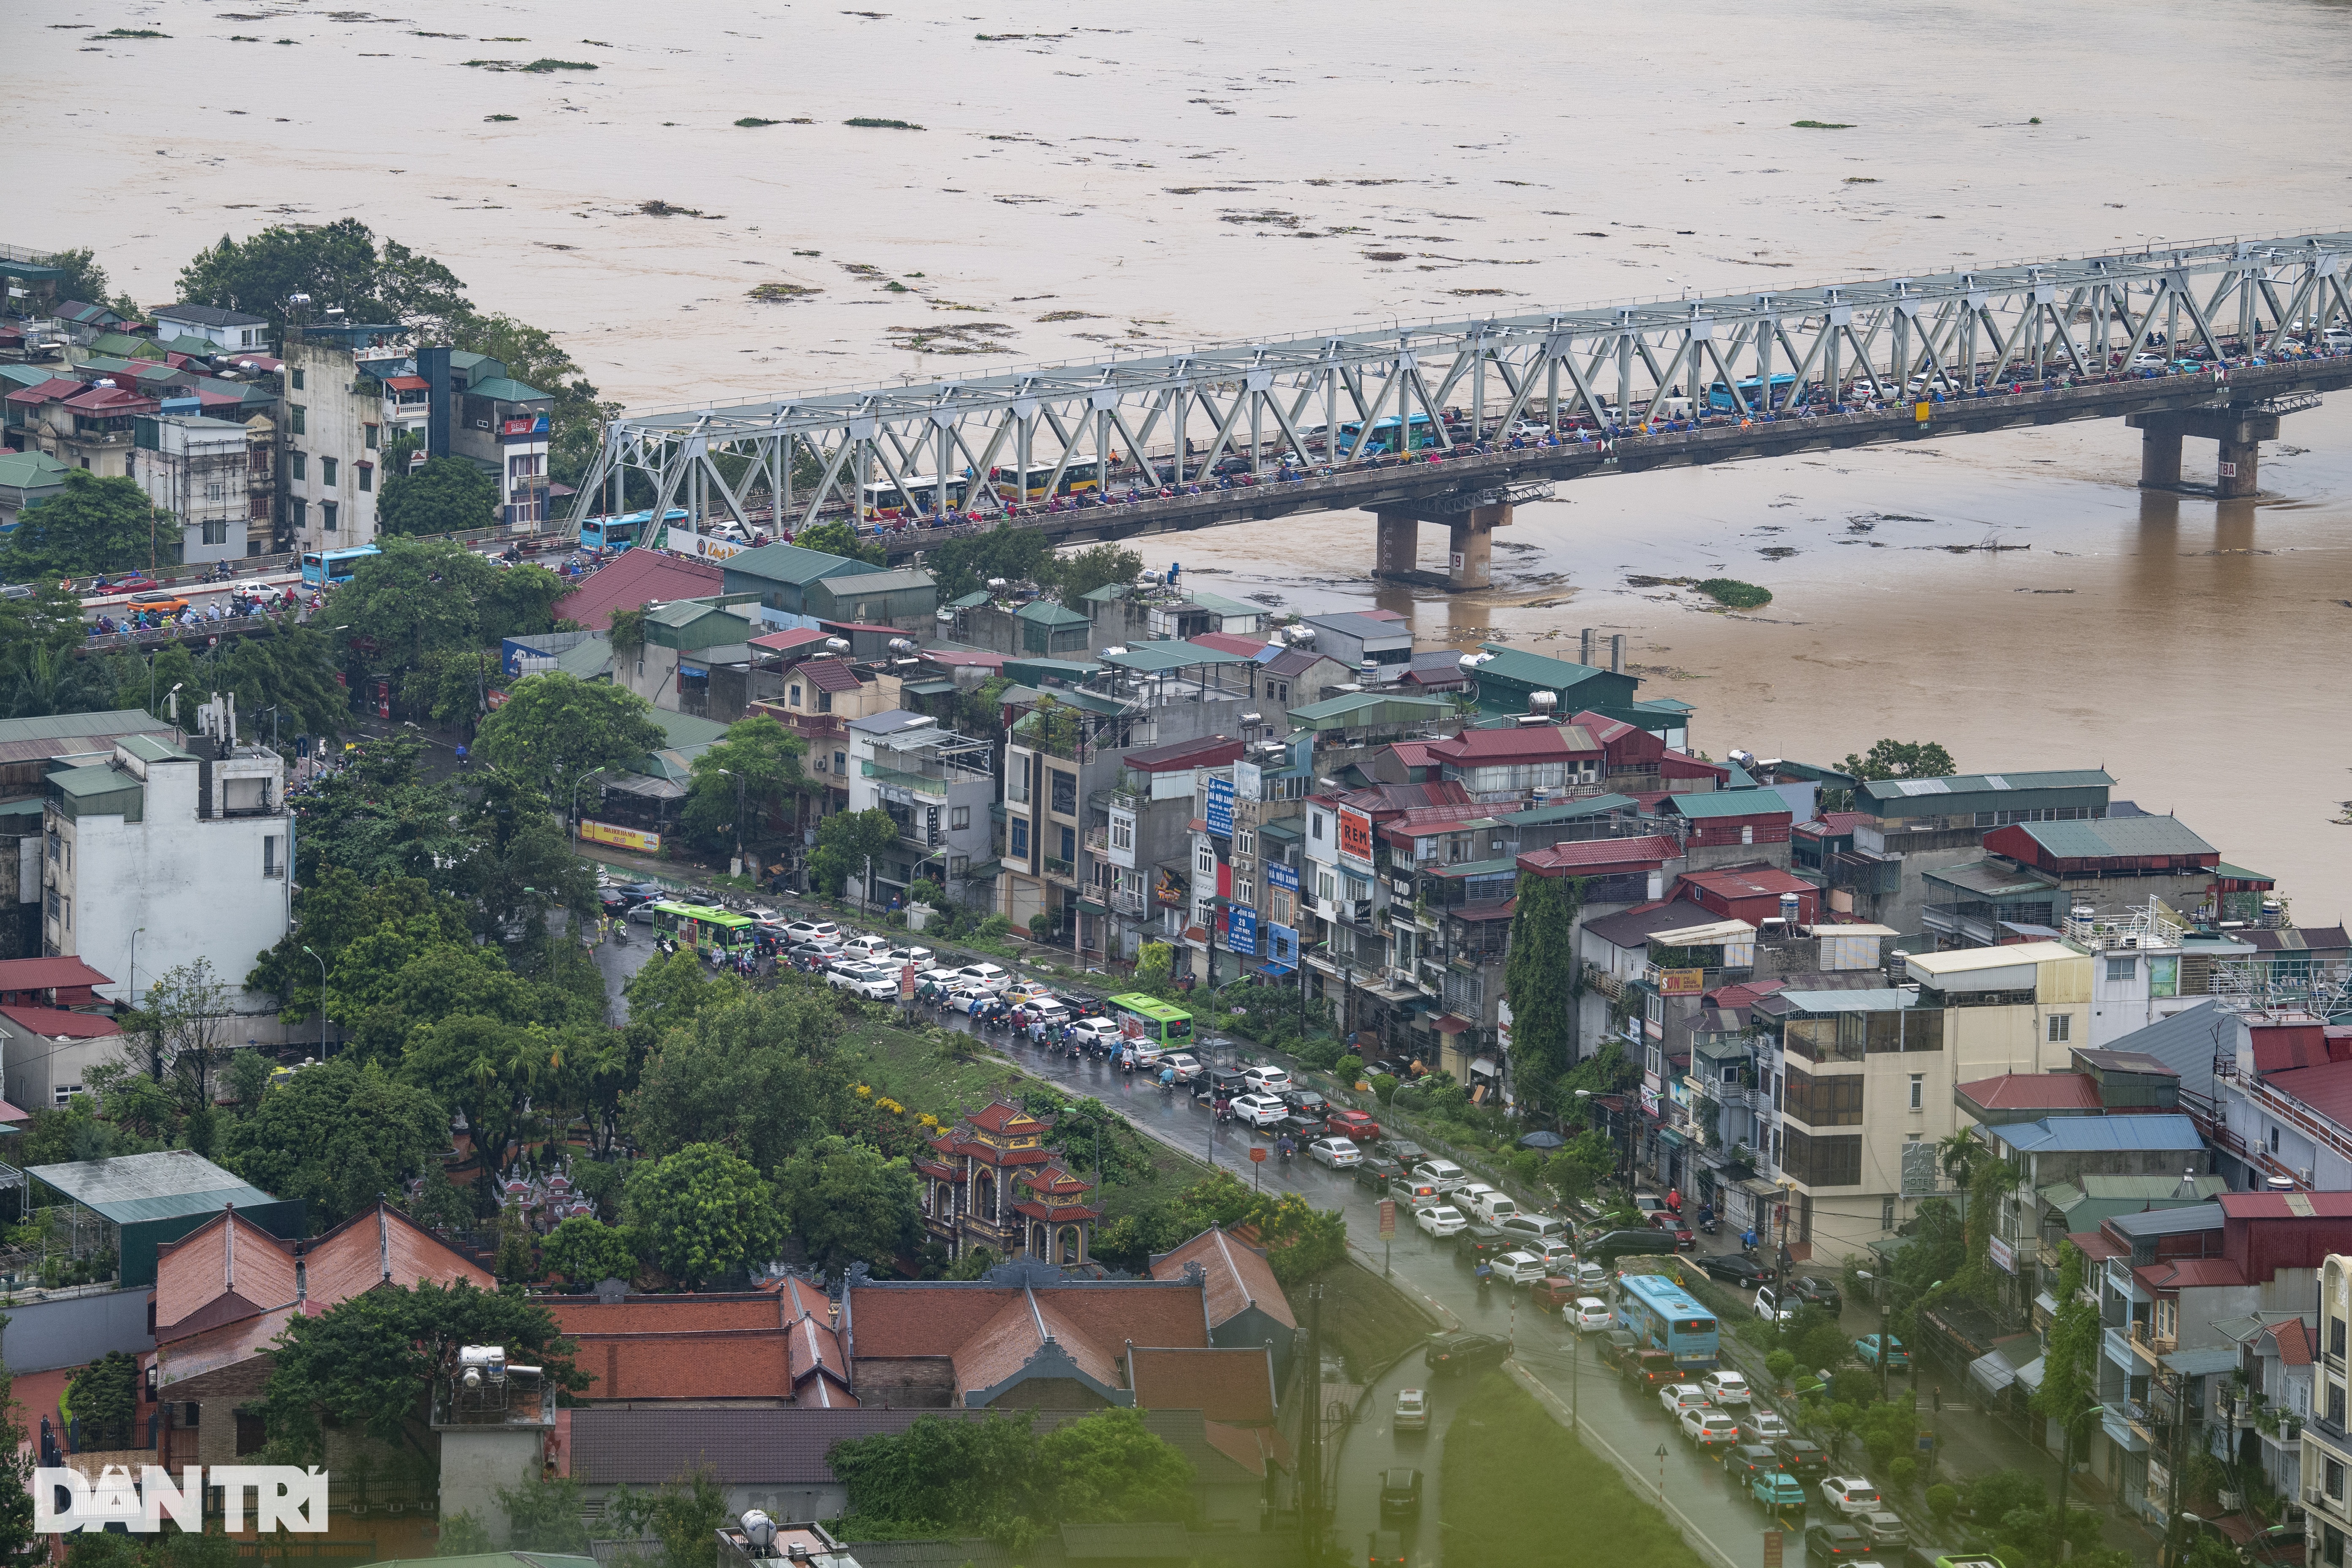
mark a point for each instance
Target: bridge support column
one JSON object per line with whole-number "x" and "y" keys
{"x": 1471, "y": 561}
{"x": 1396, "y": 545}
{"x": 2238, "y": 432}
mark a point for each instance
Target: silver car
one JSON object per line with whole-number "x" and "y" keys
{"x": 1338, "y": 1154}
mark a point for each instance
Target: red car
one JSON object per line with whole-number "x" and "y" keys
{"x": 130, "y": 585}
{"x": 1666, "y": 1220}
{"x": 1356, "y": 1124}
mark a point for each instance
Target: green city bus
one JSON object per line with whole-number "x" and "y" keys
{"x": 1159, "y": 1023}
{"x": 706, "y": 930}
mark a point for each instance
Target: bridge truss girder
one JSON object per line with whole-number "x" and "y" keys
{"x": 805, "y": 457}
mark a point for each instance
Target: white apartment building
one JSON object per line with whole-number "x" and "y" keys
{"x": 157, "y": 857}
{"x": 937, "y": 785}
{"x": 336, "y": 433}
{"x": 194, "y": 469}
{"x": 232, "y": 330}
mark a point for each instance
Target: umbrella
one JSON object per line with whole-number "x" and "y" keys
{"x": 1541, "y": 1138}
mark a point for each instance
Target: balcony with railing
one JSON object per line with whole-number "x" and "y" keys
{"x": 1126, "y": 900}
{"x": 1060, "y": 870}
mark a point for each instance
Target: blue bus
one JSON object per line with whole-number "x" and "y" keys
{"x": 621, "y": 532}
{"x": 1422, "y": 431}
{"x": 330, "y": 568}
{"x": 1663, "y": 1316}
{"x": 1718, "y": 397}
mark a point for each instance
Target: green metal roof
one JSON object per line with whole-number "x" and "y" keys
{"x": 794, "y": 564}
{"x": 1283, "y": 830}
{"x": 80, "y": 726}
{"x": 1533, "y": 670}
{"x": 1471, "y": 868}
{"x": 1566, "y": 811}
{"x": 1160, "y": 658}
{"x": 507, "y": 389}
{"x": 25, "y": 374}
{"x": 1108, "y": 592}
{"x": 2116, "y": 836}
{"x": 31, "y": 470}
{"x": 1369, "y": 708}
{"x": 1727, "y": 803}
{"x": 2240, "y": 873}
{"x": 928, "y": 688}
{"x": 1673, "y": 706}
{"x": 1931, "y": 794}
{"x": 971, "y": 601}
{"x": 155, "y": 749}
{"x": 92, "y": 783}
{"x": 1034, "y": 670}
{"x": 163, "y": 1185}
{"x": 688, "y": 729}
{"x": 1047, "y": 612}
{"x": 467, "y": 359}
{"x": 30, "y": 806}
{"x": 1991, "y": 879}
{"x": 1222, "y": 606}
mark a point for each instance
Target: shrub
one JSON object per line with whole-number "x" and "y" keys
{"x": 1349, "y": 1068}
{"x": 1905, "y": 1470}
{"x": 871, "y": 124}
{"x": 1041, "y": 926}
{"x": 1384, "y": 1087}
{"x": 1781, "y": 1363}
{"x": 1732, "y": 593}
{"x": 1943, "y": 1500}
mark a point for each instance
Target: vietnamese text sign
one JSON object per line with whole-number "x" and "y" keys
{"x": 620, "y": 838}
{"x": 1681, "y": 982}
{"x": 1387, "y": 1218}
{"x": 1355, "y": 835}
{"x": 1240, "y": 929}
{"x": 2004, "y": 1257}
{"x": 284, "y": 1496}
{"x": 1220, "y": 807}
{"x": 1279, "y": 875}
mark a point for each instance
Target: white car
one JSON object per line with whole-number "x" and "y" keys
{"x": 1188, "y": 1066}
{"x": 1337, "y": 1153}
{"x": 866, "y": 948}
{"x": 1764, "y": 1424}
{"x": 970, "y": 998}
{"x": 921, "y": 957}
{"x": 1709, "y": 1427}
{"x": 1587, "y": 1314}
{"x": 1260, "y": 1109}
{"x": 1443, "y": 1174}
{"x": 1769, "y": 1307}
{"x": 1727, "y": 1390}
{"x": 941, "y": 979}
{"x": 871, "y": 981}
{"x": 1557, "y": 1257}
{"x": 1440, "y": 1220}
{"x": 1099, "y": 1031}
{"x": 1851, "y": 1496}
{"x": 987, "y": 975}
{"x": 1266, "y": 1079}
{"x": 813, "y": 930}
{"x": 1679, "y": 1397}
{"x": 1412, "y": 1410}
{"x": 2147, "y": 362}
{"x": 1520, "y": 1268}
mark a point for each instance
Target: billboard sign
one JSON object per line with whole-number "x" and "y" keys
{"x": 1279, "y": 875}
{"x": 1241, "y": 930}
{"x": 1170, "y": 890}
{"x": 1681, "y": 982}
{"x": 1282, "y": 944}
{"x": 1249, "y": 781}
{"x": 1220, "y": 808}
{"x": 620, "y": 838}
{"x": 1356, "y": 836}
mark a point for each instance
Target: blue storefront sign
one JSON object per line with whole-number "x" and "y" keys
{"x": 1220, "y": 807}
{"x": 1279, "y": 875}
{"x": 1282, "y": 944}
{"x": 1240, "y": 929}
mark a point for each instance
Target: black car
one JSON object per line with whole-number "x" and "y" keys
{"x": 616, "y": 903}
{"x": 1616, "y": 1346}
{"x": 1404, "y": 1153}
{"x": 1399, "y": 1492}
{"x": 1480, "y": 1239}
{"x": 1302, "y": 1129}
{"x": 1819, "y": 1291}
{"x": 1748, "y": 1460}
{"x": 1374, "y": 1171}
{"x": 1837, "y": 1543}
{"x": 1735, "y": 1269}
{"x": 1458, "y": 1353}
{"x": 1220, "y": 1083}
{"x": 1611, "y": 1245}
{"x": 1385, "y": 1549}
{"x": 1806, "y": 1462}
{"x": 1307, "y": 1102}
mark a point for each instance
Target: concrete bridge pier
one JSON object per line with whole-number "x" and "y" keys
{"x": 1470, "y": 548}
{"x": 1470, "y": 562}
{"x": 1396, "y": 545}
{"x": 2237, "y": 433}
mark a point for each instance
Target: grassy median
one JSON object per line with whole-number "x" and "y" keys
{"x": 1507, "y": 1468}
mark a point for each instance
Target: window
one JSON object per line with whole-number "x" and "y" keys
{"x": 1069, "y": 845}
{"x": 796, "y": 696}
{"x": 1653, "y": 1010}
{"x": 1821, "y": 1162}
{"x": 825, "y": 701}
{"x": 1244, "y": 841}
{"x": 1122, "y": 833}
{"x": 65, "y": 1091}
{"x": 2123, "y": 968}
{"x": 1887, "y": 1214}
{"x": 299, "y": 464}
{"x": 300, "y": 512}
{"x": 2062, "y": 1027}
{"x": 2335, "y": 1338}
{"x": 841, "y": 763}
{"x": 299, "y": 415}
{"x": 1326, "y": 887}
{"x": 67, "y": 906}
{"x": 270, "y": 865}
{"x": 367, "y": 477}
{"x": 1314, "y": 825}
{"x": 1065, "y": 793}
{"x": 1205, "y": 861}
{"x": 327, "y": 475}
{"x": 214, "y": 493}
{"x": 327, "y": 510}
{"x": 297, "y": 378}
{"x": 958, "y": 818}
{"x": 2274, "y": 1140}
{"x": 1020, "y": 840}
{"x": 370, "y": 434}
{"x": 1016, "y": 777}
{"x": 1918, "y": 1091}
{"x": 1245, "y": 891}
{"x": 216, "y": 531}
{"x": 1824, "y": 1101}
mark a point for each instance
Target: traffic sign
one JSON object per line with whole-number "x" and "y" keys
{"x": 1387, "y": 1218}
{"x": 1257, "y": 1156}
{"x": 1772, "y": 1549}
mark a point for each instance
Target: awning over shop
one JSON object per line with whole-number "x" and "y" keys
{"x": 2030, "y": 1375}
{"x": 1485, "y": 1066}
{"x": 1276, "y": 970}
{"x": 1448, "y": 1024}
{"x": 1670, "y": 1138}
{"x": 2203, "y": 1363}
{"x": 1991, "y": 1372}
{"x": 2000, "y": 1366}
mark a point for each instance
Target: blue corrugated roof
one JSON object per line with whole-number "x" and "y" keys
{"x": 2097, "y": 1134}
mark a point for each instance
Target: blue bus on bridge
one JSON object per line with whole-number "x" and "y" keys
{"x": 329, "y": 568}
{"x": 1718, "y": 397}
{"x": 621, "y": 532}
{"x": 1663, "y": 1316}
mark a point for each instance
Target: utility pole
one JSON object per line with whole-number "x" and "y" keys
{"x": 1311, "y": 1436}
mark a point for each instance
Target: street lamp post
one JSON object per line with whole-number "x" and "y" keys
{"x": 322, "y": 1002}
{"x": 133, "y": 982}
{"x": 582, "y": 779}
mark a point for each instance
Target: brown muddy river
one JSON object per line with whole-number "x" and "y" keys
{"x": 1146, "y": 177}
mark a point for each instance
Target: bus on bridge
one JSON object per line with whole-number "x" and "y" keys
{"x": 333, "y": 568}
{"x": 617, "y": 533}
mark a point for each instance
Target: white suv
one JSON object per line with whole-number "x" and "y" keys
{"x": 866, "y": 948}
{"x": 1446, "y": 1176}
{"x": 1266, "y": 1079}
{"x": 871, "y": 981}
{"x": 813, "y": 930}
{"x": 987, "y": 975}
{"x": 1260, "y": 1109}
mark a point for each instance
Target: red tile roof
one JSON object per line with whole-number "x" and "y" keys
{"x": 1239, "y": 1277}
{"x": 1213, "y": 752}
{"x": 2294, "y": 1342}
{"x": 789, "y": 639}
{"x": 2189, "y": 1273}
{"x": 383, "y": 1243}
{"x": 918, "y": 1321}
{"x": 1001, "y": 1116}
{"x": 1230, "y": 642}
{"x": 2097, "y": 1246}
{"x": 2033, "y": 1091}
{"x": 1583, "y": 856}
{"x": 227, "y": 1269}
{"x": 1230, "y": 1385}
{"x": 49, "y": 391}
{"x": 2285, "y": 1205}
{"x": 829, "y": 674}
{"x": 407, "y": 384}
{"x": 2326, "y": 1089}
{"x": 57, "y": 1024}
{"x": 1536, "y": 743}
{"x": 636, "y": 579}
{"x": 1750, "y": 882}
{"x": 47, "y": 974}
{"x": 1413, "y": 754}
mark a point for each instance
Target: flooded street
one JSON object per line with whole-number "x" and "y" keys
{"x": 1067, "y": 183}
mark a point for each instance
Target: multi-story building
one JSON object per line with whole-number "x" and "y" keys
{"x": 181, "y": 852}
{"x": 1140, "y": 851}
{"x": 2327, "y": 1469}
{"x": 1902, "y": 829}
{"x": 194, "y": 471}
{"x": 336, "y": 433}
{"x": 229, "y": 330}
{"x": 937, "y": 785}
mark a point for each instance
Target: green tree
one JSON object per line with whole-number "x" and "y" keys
{"x": 84, "y": 280}
{"x": 2070, "y": 1378}
{"x": 40, "y": 671}
{"x": 445, "y": 495}
{"x": 413, "y": 597}
{"x": 672, "y": 988}
{"x": 1541, "y": 977}
{"x": 1096, "y": 566}
{"x": 380, "y": 822}
{"x": 683, "y": 1516}
{"x": 367, "y": 1363}
{"x": 584, "y": 1250}
{"x": 706, "y": 1214}
{"x": 543, "y": 1515}
{"x": 746, "y": 1071}
{"x": 336, "y": 1136}
{"x": 841, "y": 539}
{"x": 521, "y": 866}
{"x": 338, "y": 265}
{"x": 463, "y": 1535}
{"x": 92, "y": 525}
{"x": 1008, "y": 551}
{"x": 759, "y": 763}
{"x": 847, "y": 842}
{"x": 1577, "y": 1170}
{"x": 554, "y": 729}
{"x": 179, "y": 1033}
{"x": 849, "y": 1204}
{"x": 450, "y": 685}
{"x": 104, "y": 1400}
{"x": 1108, "y": 1468}
{"x": 1901, "y": 760}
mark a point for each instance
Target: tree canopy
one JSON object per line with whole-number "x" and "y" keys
{"x": 419, "y": 596}
{"x": 339, "y": 264}
{"x": 849, "y": 1204}
{"x": 338, "y": 1136}
{"x": 93, "y": 525}
{"x": 1081, "y": 572}
{"x": 762, "y": 760}
{"x": 554, "y": 729}
{"x": 445, "y": 495}
{"x": 841, "y": 539}
{"x": 1901, "y": 760}
{"x": 705, "y": 1213}
{"x": 845, "y": 841}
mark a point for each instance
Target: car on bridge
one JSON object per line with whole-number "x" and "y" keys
{"x": 1777, "y": 1490}
{"x": 162, "y": 601}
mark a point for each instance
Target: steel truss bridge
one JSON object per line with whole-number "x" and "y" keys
{"x": 1832, "y": 367}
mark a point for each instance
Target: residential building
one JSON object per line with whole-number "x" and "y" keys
{"x": 937, "y": 787}
{"x": 671, "y": 667}
{"x": 28, "y": 478}
{"x": 1510, "y": 679}
{"x": 2113, "y": 863}
{"x": 229, "y": 330}
{"x": 1904, "y": 828}
{"x": 1378, "y": 649}
{"x": 44, "y": 1050}
{"x": 2327, "y": 1469}
{"x": 1246, "y": 1306}
{"x": 778, "y": 577}
{"x": 1729, "y": 827}
{"x": 336, "y": 433}
{"x": 501, "y": 427}
{"x": 83, "y": 426}
{"x": 1141, "y": 848}
{"x": 638, "y": 579}
{"x": 187, "y": 848}
{"x": 194, "y": 471}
